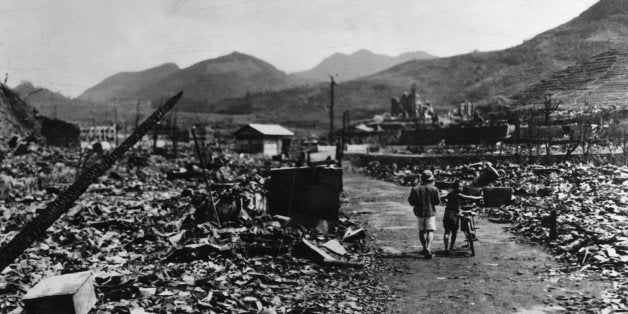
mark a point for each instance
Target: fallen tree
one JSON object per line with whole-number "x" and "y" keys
{"x": 36, "y": 228}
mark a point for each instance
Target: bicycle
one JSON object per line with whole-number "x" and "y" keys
{"x": 467, "y": 225}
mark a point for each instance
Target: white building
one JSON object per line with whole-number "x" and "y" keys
{"x": 98, "y": 134}
{"x": 267, "y": 139}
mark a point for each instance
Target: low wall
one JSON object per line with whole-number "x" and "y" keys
{"x": 362, "y": 160}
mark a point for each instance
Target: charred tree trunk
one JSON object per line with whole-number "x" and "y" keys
{"x": 550, "y": 106}
{"x": 212, "y": 204}
{"x": 530, "y": 133}
{"x": 155, "y": 137}
{"x": 115, "y": 125}
{"x": 625, "y": 148}
{"x": 572, "y": 145}
{"x": 331, "y": 111}
{"x": 36, "y": 228}
{"x": 548, "y": 148}
{"x": 137, "y": 114}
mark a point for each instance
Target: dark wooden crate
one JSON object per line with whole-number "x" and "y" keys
{"x": 306, "y": 192}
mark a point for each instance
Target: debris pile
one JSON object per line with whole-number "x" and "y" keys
{"x": 152, "y": 247}
{"x": 579, "y": 211}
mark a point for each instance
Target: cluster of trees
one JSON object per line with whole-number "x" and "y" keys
{"x": 590, "y": 132}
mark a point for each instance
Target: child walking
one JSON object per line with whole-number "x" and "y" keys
{"x": 451, "y": 223}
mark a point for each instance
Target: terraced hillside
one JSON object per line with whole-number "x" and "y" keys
{"x": 599, "y": 80}
{"x": 480, "y": 77}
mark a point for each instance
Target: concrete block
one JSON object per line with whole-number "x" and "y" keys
{"x": 69, "y": 293}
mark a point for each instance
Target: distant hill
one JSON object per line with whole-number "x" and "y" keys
{"x": 16, "y": 116}
{"x": 600, "y": 80}
{"x": 39, "y": 95}
{"x": 479, "y": 77}
{"x": 56, "y": 105}
{"x": 126, "y": 84}
{"x": 208, "y": 81}
{"x": 358, "y": 64}
{"x": 42, "y": 99}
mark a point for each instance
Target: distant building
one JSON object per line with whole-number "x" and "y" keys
{"x": 98, "y": 134}
{"x": 267, "y": 139}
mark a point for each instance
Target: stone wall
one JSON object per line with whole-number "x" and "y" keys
{"x": 362, "y": 160}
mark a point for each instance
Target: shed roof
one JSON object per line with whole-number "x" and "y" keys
{"x": 267, "y": 129}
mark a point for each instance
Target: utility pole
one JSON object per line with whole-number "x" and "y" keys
{"x": 344, "y": 127}
{"x": 137, "y": 114}
{"x": 174, "y": 134}
{"x": 343, "y": 141}
{"x": 331, "y": 110}
{"x": 115, "y": 124}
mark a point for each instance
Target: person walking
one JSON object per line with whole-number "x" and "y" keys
{"x": 451, "y": 222}
{"x": 424, "y": 199}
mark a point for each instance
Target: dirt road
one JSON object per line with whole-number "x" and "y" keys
{"x": 504, "y": 277}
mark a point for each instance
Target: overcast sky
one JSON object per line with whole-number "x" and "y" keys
{"x": 68, "y": 46}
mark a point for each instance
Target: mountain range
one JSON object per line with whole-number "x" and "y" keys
{"x": 242, "y": 84}
{"x": 235, "y": 75}
{"x": 361, "y": 63}
{"x": 481, "y": 77}
{"x": 125, "y": 85}
{"x": 208, "y": 81}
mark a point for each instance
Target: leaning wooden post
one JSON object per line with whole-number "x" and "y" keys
{"x": 173, "y": 135}
{"x": 36, "y": 228}
{"x": 331, "y": 111}
{"x": 209, "y": 189}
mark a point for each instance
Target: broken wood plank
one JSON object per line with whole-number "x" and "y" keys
{"x": 308, "y": 250}
{"x": 352, "y": 235}
{"x": 344, "y": 264}
{"x": 335, "y": 246}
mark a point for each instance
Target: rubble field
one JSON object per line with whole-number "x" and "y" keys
{"x": 144, "y": 231}
{"x": 578, "y": 211}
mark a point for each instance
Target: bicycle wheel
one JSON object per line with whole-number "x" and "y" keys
{"x": 469, "y": 235}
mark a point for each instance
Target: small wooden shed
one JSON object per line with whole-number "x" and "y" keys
{"x": 267, "y": 139}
